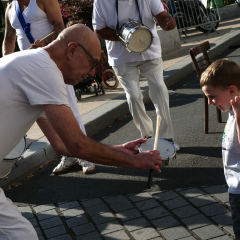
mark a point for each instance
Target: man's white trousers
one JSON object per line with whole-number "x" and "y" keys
{"x": 128, "y": 75}
{"x": 13, "y": 226}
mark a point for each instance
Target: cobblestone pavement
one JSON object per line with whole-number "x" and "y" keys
{"x": 186, "y": 213}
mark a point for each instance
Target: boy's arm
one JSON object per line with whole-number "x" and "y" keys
{"x": 236, "y": 109}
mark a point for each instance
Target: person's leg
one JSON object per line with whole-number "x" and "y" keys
{"x": 70, "y": 162}
{"x": 234, "y": 200}
{"x": 158, "y": 93}
{"x": 128, "y": 76}
{"x": 13, "y": 226}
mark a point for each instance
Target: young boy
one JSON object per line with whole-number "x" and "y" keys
{"x": 221, "y": 84}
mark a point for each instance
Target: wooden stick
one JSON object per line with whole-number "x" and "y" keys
{"x": 159, "y": 119}
{"x": 50, "y": 34}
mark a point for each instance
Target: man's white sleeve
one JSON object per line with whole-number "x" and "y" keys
{"x": 98, "y": 19}
{"x": 44, "y": 86}
{"x": 156, "y": 7}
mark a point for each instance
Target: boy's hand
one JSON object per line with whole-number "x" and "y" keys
{"x": 236, "y": 106}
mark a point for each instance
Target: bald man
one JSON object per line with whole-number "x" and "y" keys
{"x": 44, "y": 16}
{"x": 33, "y": 82}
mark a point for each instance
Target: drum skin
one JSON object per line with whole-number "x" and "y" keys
{"x": 135, "y": 36}
{"x": 165, "y": 147}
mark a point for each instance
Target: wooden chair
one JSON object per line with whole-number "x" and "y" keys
{"x": 200, "y": 66}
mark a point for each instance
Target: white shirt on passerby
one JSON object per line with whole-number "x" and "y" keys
{"x": 105, "y": 15}
{"x": 29, "y": 79}
{"x": 39, "y": 23}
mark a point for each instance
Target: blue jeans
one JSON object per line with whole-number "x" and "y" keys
{"x": 234, "y": 200}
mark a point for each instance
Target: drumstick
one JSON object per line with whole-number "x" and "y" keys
{"x": 159, "y": 119}
{"x": 50, "y": 34}
{"x": 157, "y": 132}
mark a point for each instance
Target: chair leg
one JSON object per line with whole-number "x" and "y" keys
{"x": 219, "y": 116}
{"x": 205, "y": 114}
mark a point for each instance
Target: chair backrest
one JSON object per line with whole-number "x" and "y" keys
{"x": 205, "y": 61}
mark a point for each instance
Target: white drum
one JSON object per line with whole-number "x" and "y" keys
{"x": 135, "y": 36}
{"x": 165, "y": 147}
{"x": 7, "y": 163}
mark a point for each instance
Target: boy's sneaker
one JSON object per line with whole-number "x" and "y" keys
{"x": 67, "y": 163}
{"x": 87, "y": 167}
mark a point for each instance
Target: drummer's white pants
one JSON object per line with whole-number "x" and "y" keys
{"x": 128, "y": 75}
{"x": 13, "y": 226}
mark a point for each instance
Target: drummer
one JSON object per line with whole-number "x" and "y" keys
{"x": 127, "y": 64}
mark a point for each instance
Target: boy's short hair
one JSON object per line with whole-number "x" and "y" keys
{"x": 222, "y": 73}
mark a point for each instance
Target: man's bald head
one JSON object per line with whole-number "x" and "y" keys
{"x": 81, "y": 34}
{"x": 76, "y": 51}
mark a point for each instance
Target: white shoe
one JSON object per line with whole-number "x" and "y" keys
{"x": 65, "y": 164}
{"x": 87, "y": 167}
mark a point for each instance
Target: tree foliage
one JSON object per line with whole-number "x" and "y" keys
{"x": 78, "y": 10}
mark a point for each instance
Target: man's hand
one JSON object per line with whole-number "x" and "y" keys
{"x": 170, "y": 23}
{"x": 132, "y": 147}
{"x": 165, "y": 21}
{"x": 149, "y": 160}
{"x": 36, "y": 44}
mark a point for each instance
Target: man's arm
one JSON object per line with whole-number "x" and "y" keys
{"x": 52, "y": 9}
{"x": 10, "y": 35}
{"x": 78, "y": 145}
{"x": 52, "y": 137}
{"x": 57, "y": 144}
{"x": 165, "y": 21}
{"x": 107, "y": 34}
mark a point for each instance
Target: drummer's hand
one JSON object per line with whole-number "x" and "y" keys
{"x": 132, "y": 147}
{"x": 170, "y": 23}
{"x": 36, "y": 44}
{"x": 149, "y": 160}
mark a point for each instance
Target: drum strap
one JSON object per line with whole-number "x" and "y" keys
{"x": 117, "y": 26}
{"x": 25, "y": 26}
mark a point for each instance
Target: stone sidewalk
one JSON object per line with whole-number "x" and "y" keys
{"x": 187, "y": 214}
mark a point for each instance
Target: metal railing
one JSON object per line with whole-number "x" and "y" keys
{"x": 194, "y": 14}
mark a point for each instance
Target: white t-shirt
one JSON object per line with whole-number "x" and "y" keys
{"x": 231, "y": 155}
{"x": 29, "y": 79}
{"x": 105, "y": 15}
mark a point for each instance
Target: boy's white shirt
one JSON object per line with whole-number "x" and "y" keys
{"x": 231, "y": 154}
